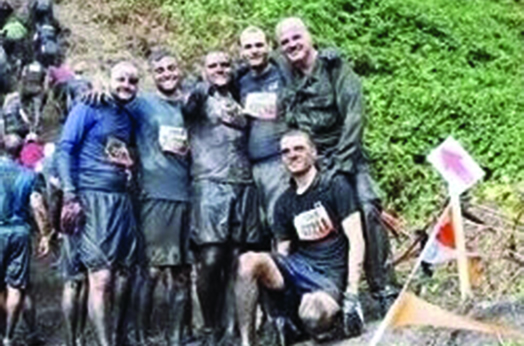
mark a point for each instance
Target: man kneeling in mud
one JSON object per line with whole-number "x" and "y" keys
{"x": 313, "y": 220}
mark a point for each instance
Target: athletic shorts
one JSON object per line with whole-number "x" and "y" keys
{"x": 70, "y": 265}
{"x": 15, "y": 255}
{"x": 165, "y": 228}
{"x": 224, "y": 213}
{"x": 271, "y": 180}
{"x": 319, "y": 267}
{"x": 109, "y": 239}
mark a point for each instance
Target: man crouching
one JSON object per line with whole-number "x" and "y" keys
{"x": 313, "y": 221}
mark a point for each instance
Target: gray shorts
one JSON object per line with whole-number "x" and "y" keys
{"x": 15, "y": 255}
{"x": 224, "y": 213}
{"x": 109, "y": 239}
{"x": 271, "y": 180}
{"x": 165, "y": 228}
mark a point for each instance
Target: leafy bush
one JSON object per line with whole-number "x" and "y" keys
{"x": 430, "y": 69}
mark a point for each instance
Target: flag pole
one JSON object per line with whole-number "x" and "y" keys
{"x": 392, "y": 312}
{"x": 460, "y": 242}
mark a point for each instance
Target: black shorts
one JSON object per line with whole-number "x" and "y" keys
{"x": 15, "y": 250}
{"x": 165, "y": 228}
{"x": 301, "y": 278}
{"x": 223, "y": 212}
{"x": 109, "y": 239}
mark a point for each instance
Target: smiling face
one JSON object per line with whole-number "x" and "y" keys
{"x": 124, "y": 81}
{"x": 166, "y": 74}
{"x": 217, "y": 69}
{"x": 298, "y": 153}
{"x": 254, "y": 47}
{"x": 295, "y": 41}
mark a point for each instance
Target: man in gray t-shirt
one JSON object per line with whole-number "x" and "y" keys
{"x": 164, "y": 184}
{"x": 224, "y": 203}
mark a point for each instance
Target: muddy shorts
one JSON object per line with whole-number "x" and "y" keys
{"x": 15, "y": 255}
{"x": 70, "y": 265}
{"x": 224, "y": 213}
{"x": 271, "y": 180}
{"x": 165, "y": 228}
{"x": 109, "y": 239}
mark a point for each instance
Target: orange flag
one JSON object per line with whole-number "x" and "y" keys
{"x": 414, "y": 311}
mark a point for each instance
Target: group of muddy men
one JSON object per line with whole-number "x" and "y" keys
{"x": 253, "y": 177}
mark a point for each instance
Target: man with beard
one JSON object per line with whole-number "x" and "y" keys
{"x": 93, "y": 163}
{"x": 324, "y": 97}
{"x": 164, "y": 182}
{"x": 314, "y": 219}
{"x": 224, "y": 210}
{"x": 259, "y": 89}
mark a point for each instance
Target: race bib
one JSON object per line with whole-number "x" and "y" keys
{"x": 228, "y": 111}
{"x": 173, "y": 140}
{"x": 261, "y": 105}
{"x": 313, "y": 224}
{"x": 117, "y": 152}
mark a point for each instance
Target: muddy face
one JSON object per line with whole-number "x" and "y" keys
{"x": 166, "y": 75}
{"x": 124, "y": 82}
{"x": 218, "y": 69}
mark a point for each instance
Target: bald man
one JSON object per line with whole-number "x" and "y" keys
{"x": 324, "y": 98}
{"x": 93, "y": 164}
{"x": 259, "y": 89}
{"x": 224, "y": 218}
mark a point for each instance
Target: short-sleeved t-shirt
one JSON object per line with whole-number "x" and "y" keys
{"x": 218, "y": 139}
{"x": 162, "y": 143}
{"x": 264, "y": 134}
{"x": 315, "y": 215}
{"x": 16, "y": 185}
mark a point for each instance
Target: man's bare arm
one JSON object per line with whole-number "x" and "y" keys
{"x": 352, "y": 226}
{"x": 42, "y": 221}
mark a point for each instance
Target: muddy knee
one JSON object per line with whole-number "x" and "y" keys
{"x": 247, "y": 265}
{"x": 317, "y": 311}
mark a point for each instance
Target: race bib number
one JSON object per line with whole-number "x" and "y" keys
{"x": 262, "y": 105}
{"x": 173, "y": 140}
{"x": 313, "y": 224}
{"x": 117, "y": 152}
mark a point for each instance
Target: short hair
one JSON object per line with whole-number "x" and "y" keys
{"x": 251, "y": 30}
{"x": 159, "y": 53}
{"x": 303, "y": 133}
{"x": 121, "y": 63}
{"x": 290, "y": 21}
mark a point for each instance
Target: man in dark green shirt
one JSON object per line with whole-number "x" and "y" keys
{"x": 324, "y": 98}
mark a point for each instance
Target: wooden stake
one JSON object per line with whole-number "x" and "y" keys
{"x": 460, "y": 243}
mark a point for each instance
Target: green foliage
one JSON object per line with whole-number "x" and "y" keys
{"x": 430, "y": 69}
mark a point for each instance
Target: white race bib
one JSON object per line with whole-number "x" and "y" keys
{"x": 313, "y": 224}
{"x": 173, "y": 139}
{"x": 261, "y": 105}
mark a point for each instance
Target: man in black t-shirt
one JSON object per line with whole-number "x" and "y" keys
{"x": 313, "y": 221}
